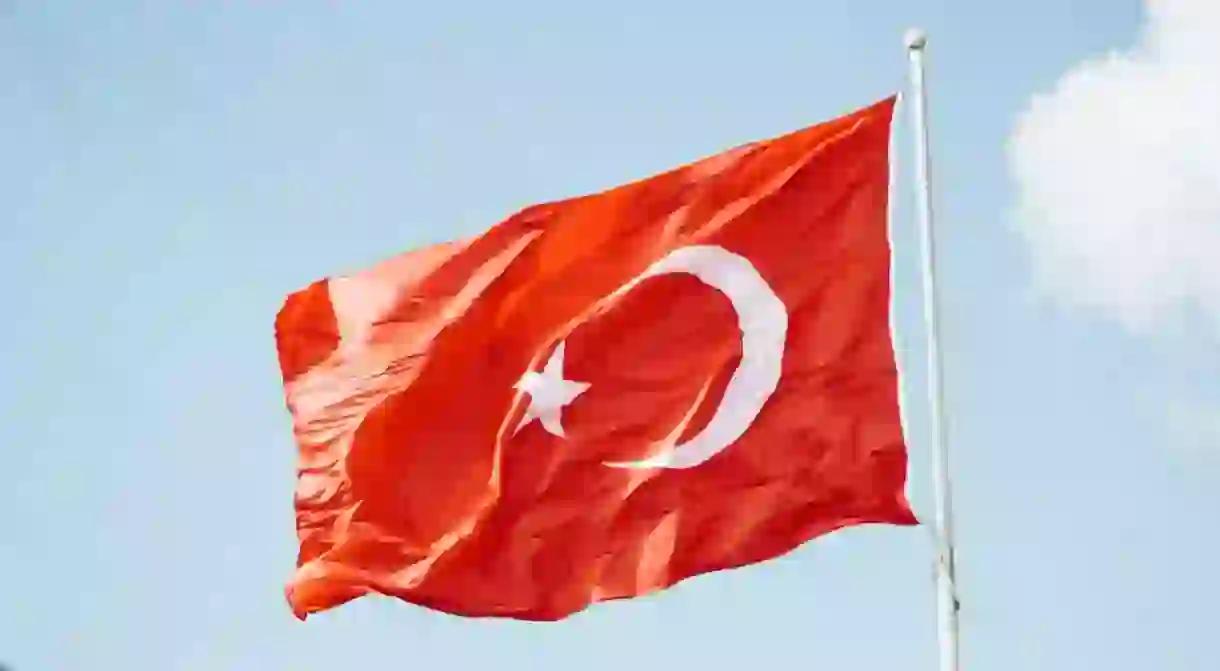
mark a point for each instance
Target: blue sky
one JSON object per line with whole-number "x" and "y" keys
{"x": 169, "y": 170}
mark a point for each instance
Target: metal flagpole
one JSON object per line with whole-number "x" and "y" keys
{"x": 946, "y": 585}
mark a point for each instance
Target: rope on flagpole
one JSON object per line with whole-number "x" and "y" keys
{"x": 947, "y": 604}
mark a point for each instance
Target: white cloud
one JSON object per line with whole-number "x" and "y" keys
{"x": 1118, "y": 173}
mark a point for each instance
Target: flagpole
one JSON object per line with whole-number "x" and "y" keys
{"x": 946, "y": 581}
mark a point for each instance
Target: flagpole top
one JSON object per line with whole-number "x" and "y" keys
{"x": 916, "y": 39}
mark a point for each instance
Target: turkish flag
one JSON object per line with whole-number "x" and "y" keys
{"x": 600, "y": 397}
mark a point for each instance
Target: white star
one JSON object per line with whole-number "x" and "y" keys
{"x": 549, "y": 393}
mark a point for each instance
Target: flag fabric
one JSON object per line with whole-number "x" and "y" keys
{"x": 600, "y": 397}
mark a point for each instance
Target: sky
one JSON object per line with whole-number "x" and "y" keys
{"x": 169, "y": 171}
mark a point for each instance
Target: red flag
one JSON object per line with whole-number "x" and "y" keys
{"x": 600, "y": 397}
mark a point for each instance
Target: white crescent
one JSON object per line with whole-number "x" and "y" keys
{"x": 763, "y": 320}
